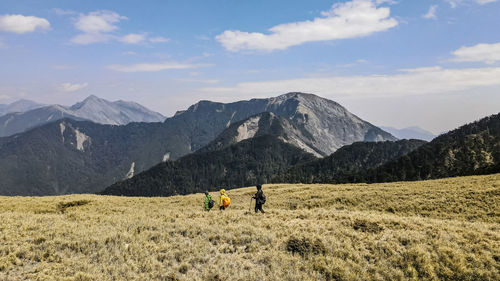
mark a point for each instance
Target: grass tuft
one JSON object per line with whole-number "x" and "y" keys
{"x": 62, "y": 206}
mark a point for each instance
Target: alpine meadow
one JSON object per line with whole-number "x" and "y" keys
{"x": 445, "y": 229}
{"x": 329, "y": 140}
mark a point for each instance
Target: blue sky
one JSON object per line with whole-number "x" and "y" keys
{"x": 435, "y": 64}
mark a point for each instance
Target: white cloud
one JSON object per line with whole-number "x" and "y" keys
{"x": 418, "y": 81}
{"x": 487, "y": 53}
{"x": 96, "y": 27}
{"x": 99, "y": 21}
{"x": 158, "y": 39}
{"x": 129, "y": 53}
{"x": 455, "y": 3}
{"x": 22, "y": 24}
{"x": 132, "y": 38}
{"x": 152, "y": 67}
{"x": 482, "y": 2}
{"x": 431, "y": 14}
{"x": 100, "y": 26}
{"x": 69, "y": 87}
{"x": 345, "y": 20}
{"x": 390, "y": 2}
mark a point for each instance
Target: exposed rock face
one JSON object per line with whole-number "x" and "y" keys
{"x": 262, "y": 124}
{"x": 93, "y": 109}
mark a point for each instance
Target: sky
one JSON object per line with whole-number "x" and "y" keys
{"x": 430, "y": 63}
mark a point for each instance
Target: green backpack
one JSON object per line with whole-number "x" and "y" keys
{"x": 210, "y": 202}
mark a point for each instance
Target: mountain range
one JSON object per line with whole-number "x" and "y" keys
{"x": 259, "y": 159}
{"x": 31, "y": 115}
{"x": 68, "y": 156}
{"x": 413, "y": 132}
{"x": 469, "y": 150}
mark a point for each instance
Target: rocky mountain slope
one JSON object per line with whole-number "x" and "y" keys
{"x": 265, "y": 123}
{"x": 330, "y": 125}
{"x": 92, "y": 108}
{"x": 249, "y": 162}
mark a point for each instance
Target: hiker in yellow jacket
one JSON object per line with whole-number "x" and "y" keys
{"x": 225, "y": 201}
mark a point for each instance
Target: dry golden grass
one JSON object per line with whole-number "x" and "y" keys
{"x": 433, "y": 230}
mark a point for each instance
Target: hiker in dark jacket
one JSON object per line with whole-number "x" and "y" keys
{"x": 260, "y": 199}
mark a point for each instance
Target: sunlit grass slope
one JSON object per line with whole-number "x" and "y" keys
{"x": 445, "y": 229}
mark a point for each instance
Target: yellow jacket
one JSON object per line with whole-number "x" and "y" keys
{"x": 222, "y": 195}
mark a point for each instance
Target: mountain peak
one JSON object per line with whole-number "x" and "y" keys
{"x": 93, "y": 98}
{"x": 21, "y": 105}
{"x": 326, "y": 123}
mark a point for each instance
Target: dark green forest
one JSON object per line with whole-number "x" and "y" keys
{"x": 252, "y": 161}
{"x": 472, "y": 149}
{"x": 347, "y": 163}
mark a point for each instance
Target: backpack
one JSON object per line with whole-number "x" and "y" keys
{"x": 210, "y": 203}
{"x": 263, "y": 199}
{"x": 226, "y": 201}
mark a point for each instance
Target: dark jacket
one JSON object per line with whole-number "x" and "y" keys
{"x": 259, "y": 197}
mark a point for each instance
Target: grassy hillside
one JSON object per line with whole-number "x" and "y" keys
{"x": 446, "y": 229}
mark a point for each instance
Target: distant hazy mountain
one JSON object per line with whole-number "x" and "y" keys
{"x": 413, "y": 132}
{"x": 18, "y": 106}
{"x": 92, "y": 108}
{"x": 93, "y": 156}
{"x": 14, "y": 123}
{"x": 114, "y": 113}
{"x": 248, "y": 162}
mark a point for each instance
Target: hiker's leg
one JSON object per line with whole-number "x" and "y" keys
{"x": 260, "y": 208}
